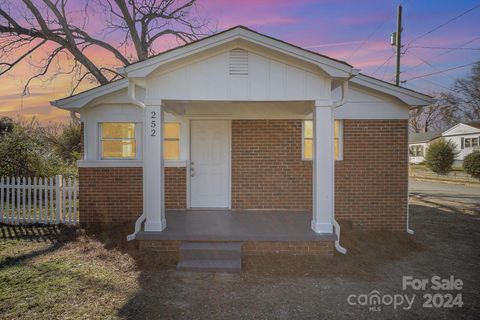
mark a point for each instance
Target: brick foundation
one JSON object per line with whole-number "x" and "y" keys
{"x": 253, "y": 248}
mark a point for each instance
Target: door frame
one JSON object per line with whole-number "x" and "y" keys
{"x": 229, "y": 170}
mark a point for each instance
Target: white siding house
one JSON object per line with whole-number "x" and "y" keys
{"x": 418, "y": 144}
{"x": 466, "y": 137}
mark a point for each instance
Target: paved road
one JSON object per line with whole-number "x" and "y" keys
{"x": 446, "y": 191}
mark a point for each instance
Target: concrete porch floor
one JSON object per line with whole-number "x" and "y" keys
{"x": 227, "y": 225}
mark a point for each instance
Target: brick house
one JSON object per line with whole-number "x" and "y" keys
{"x": 241, "y": 137}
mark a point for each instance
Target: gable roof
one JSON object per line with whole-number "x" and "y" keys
{"x": 246, "y": 29}
{"x": 335, "y": 68}
{"x": 421, "y": 137}
{"x": 474, "y": 128}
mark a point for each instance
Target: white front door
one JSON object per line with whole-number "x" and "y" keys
{"x": 209, "y": 163}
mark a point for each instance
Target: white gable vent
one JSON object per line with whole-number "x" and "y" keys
{"x": 238, "y": 64}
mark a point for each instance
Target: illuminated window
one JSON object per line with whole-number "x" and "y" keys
{"x": 171, "y": 141}
{"x": 308, "y": 140}
{"x": 118, "y": 140}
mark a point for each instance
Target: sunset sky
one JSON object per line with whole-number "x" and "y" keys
{"x": 354, "y": 31}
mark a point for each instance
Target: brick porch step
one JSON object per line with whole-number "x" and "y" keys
{"x": 213, "y": 257}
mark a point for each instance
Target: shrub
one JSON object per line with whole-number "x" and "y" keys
{"x": 24, "y": 153}
{"x": 471, "y": 164}
{"x": 440, "y": 156}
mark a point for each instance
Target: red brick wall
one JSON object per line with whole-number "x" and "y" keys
{"x": 371, "y": 182}
{"x": 268, "y": 173}
{"x": 267, "y": 167}
{"x": 110, "y": 194}
{"x": 116, "y": 194}
{"x": 175, "y": 188}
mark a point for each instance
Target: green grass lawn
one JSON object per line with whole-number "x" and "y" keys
{"x": 53, "y": 273}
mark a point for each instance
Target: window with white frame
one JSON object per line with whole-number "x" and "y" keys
{"x": 171, "y": 141}
{"x": 470, "y": 142}
{"x": 307, "y": 140}
{"x": 416, "y": 151}
{"x": 118, "y": 140}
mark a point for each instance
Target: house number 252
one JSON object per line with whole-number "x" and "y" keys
{"x": 153, "y": 124}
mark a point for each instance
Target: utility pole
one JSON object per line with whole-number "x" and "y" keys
{"x": 398, "y": 44}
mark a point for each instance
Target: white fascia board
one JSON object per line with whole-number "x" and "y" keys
{"x": 410, "y": 97}
{"x": 82, "y": 99}
{"x": 448, "y": 131}
{"x": 333, "y": 68}
{"x": 451, "y": 131}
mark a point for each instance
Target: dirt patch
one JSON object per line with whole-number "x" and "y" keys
{"x": 45, "y": 274}
{"x": 368, "y": 252}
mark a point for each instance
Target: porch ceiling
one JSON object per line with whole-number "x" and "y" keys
{"x": 241, "y": 109}
{"x": 226, "y": 225}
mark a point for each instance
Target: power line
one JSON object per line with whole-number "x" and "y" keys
{"x": 384, "y": 63}
{"x": 443, "y": 53}
{"x": 443, "y": 48}
{"x": 442, "y": 24}
{"x": 441, "y": 71}
{"x": 368, "y": 38}
{"x": 429, "y": 64}
{"x": 435, "y": 83}
{"x": 373, "y": 33}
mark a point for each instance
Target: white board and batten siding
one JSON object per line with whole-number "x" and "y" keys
{"x": 238, "y": 74}
{"x": 50, "y": 200}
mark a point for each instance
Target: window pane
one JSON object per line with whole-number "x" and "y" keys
{"x": 118, "y": 130}
{"x": 336, "y": 129}
{"x": 336, "y": 148}
{"x": 420, "y": 151}
{"x": 171, "y": 150}
{"x": 308, "y": 129}
{"x": 118, "y": 149}
{"x": 172, "y": 131}
{"x": 307, "y": 149}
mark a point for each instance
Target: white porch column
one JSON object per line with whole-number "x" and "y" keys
{"x": 153, "y": 203}
{"x": 323, "y": 167}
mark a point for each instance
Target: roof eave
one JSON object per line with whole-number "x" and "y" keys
{"x": 408, "y": 96}
{"x": 80, "y": 100}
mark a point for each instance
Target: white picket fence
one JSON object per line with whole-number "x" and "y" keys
{"x": 51, "y": 200}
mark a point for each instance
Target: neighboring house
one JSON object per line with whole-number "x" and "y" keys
{"x": 242, "y": 137}
{"x": 418, "y": 145}
{"x": 466, "y": 137}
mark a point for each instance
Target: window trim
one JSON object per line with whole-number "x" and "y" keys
{"x": 470, "y": 140}
{"x": 413, "y": 150}
{"x": 135, "y": 138}
{"x": 340, "y": 140}
{"x": 173, "y": 139}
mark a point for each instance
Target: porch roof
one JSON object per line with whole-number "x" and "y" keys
{"x": 228, "y": 225}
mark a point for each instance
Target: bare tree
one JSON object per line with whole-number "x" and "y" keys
{"x": 425, "y": 119}
{"x": 435, "y": 117}
{"x": 63, "y": 28}
{"x": 465, "y": 97}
